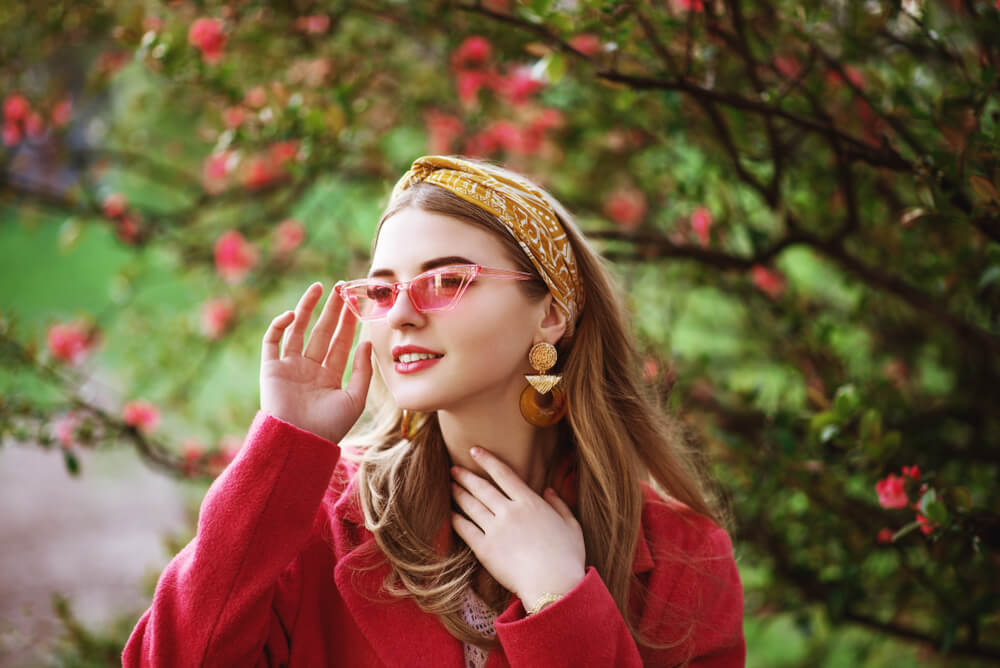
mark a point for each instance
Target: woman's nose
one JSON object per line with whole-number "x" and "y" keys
{"x": 403, "y": 312}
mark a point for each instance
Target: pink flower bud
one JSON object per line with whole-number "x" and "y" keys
{"x": 472, "y": 52}
{"x": 885, "y": 535}
{"x": 769, "y": 282}
{"x": 114, "y": 205}
{"x": 15, "y": 108}
{"x": 626, "y": 207}
{"x": 701, "y": 223}
{"x": 70, "y": 342}
{"x": 142, "y": 415}
{"x": 216, "y": 316}
{"x": 891, "y": 492}
{"x": 289, "y": 235}
{"x": 206, "y": 34}
{"x": 234, "y": 257}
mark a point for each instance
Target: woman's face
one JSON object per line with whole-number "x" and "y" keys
{"x": 484, "y": 339}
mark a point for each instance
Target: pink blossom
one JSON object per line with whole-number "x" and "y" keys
{"x": 64, "y": 428}
{"x": 912, "y": 472}
{"x": 234, "y": 116}
{"x": 283, "y": 152}
{"x": 215, "y": 169}
{"x": 191, "y": 449}
{"x": 626, "y": 207}
{"x": 127, "y": 229}
{"x": 142, "y": 415}
{"x": 650, "y": 369}
{"x": 925, "y": 524}
{"x": 473, "y": 51}
{"x": 114, "y": 205}
{"x": 34, "y": 125}
{"x": 692, "y": 5}
{"x": 260, "y": 173}
{"x": 206, "y": 34}
{"x": 15, "y": 108}
{"x": 313, "y": 25}
{"x": 70, "y": 342}
{"x": 62, "y": 112}
{"x": 234, "y": 257}
{"x": 701, "y": 223}
{"x": 506, "y": 135}
{"x": 769, "y": 282}
{"x": 885, "y": 535}
{"x": 789, "y": 66}
{"x": 442, "y": 130}
{"x": 891, "y": 492}
{"x": 216, "y": 316}
{"x": 289, "y": 235}
{"x": 256, "y": 97}
{"x": 11, "y": 134}
{"x": 469, "y": 82}
{"x": 518, "y": 85}
{"x": 588, "y": 44}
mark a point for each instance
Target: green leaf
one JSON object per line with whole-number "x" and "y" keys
{"x": 871, "y": 425}
{"x": 930, "y": 496}
{"x": 72, "y": 463}
{"x": 937, "y": 513}
{"x": 984, "y": 190}
{"x": 845, "y": 402}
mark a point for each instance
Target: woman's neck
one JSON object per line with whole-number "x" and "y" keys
{"x": 497, "y": 426}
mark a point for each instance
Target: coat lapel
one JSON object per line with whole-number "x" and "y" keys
{"x": 398, "y": 630}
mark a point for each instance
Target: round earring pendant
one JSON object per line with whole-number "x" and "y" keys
{"x": 543, "y": 410}
{"x": 542, "y": 356}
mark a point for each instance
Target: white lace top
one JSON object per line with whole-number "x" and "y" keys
{"x": 480, "y": 617}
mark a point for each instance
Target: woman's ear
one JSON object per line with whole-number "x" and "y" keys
{"x": 553, "y": 323}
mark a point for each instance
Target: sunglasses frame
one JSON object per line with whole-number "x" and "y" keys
{"x": 477, "y": 270}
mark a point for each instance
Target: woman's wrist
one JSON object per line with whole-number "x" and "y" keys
{"x": 536, "y": 598}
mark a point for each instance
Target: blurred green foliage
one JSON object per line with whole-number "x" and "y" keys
{"x": 833, "y": 319}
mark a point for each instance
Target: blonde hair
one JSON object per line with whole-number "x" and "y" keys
{"x": 615, "y": 427}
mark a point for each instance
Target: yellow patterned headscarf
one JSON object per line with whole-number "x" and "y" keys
{"x": 524, "y": 211}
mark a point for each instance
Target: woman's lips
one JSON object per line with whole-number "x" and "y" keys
{"x": 413, "y": 367}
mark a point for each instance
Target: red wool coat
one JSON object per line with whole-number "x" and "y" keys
{"x": 272, "y": 579}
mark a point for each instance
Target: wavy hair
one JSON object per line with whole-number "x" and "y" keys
{"x": 616, "y": 431}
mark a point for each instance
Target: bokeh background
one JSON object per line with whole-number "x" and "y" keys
{"x": 799, "y": 198}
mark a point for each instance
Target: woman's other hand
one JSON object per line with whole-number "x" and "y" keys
{"x": 306, "y": 388}
{"x": 530, "y": 544}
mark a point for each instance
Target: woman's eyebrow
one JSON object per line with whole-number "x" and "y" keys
{"x": 430, "y": 264}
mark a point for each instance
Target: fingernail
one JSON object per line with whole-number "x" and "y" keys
{"x": 475, "y": 452}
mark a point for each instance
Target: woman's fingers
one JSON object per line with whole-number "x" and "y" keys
{"x": 319, "y": 338}
{"x": 467, "y": 531}
{"x": 472, "y": 506}
{"x": 271, "y": 348}
{"x": 484, "y": 491}
{"x": 339, "y": 347}
{"x": 504, "y": 476}
{"x": 559, "y": 505}
{"x": 303, "y": 312}
{"x": 361, "y": 373}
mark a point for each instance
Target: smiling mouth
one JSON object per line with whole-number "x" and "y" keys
{"x": 407, "y": 358}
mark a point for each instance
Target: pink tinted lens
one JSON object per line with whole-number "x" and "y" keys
{"x": 439, "y": 290}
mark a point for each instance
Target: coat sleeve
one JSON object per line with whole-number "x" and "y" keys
{"x": 697, "y": 607}
{"x": 214, "y": 602}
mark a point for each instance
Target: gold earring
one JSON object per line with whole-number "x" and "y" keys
{"x": 411, "y": 424}
{"x": 543, "y": 403}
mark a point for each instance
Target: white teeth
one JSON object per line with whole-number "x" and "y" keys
{"x": 413, "y": 357}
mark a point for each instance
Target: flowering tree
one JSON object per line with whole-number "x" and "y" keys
{"x": 801, "y": 199}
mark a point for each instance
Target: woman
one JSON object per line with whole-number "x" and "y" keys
{"x": 474, "y": 519}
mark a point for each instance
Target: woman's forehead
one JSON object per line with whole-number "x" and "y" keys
{"x": 411, "y": 238}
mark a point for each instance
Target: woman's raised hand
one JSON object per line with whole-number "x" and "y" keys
{"x": 305, "y": 388}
